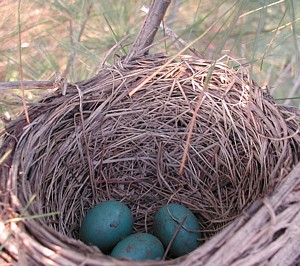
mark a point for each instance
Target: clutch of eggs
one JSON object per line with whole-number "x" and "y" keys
{"x": 109, "y": 225}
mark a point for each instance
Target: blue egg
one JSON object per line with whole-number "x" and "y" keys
{"x": 175, "y": 219}
{"x": 139, "y": 246}
{"x": 106, "y": 224}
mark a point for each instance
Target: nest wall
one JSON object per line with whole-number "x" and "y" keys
{"x": 97, "y": 143}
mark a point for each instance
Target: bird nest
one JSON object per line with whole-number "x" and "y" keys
{"x": 148, "y": 132}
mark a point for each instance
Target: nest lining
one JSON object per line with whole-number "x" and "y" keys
{"x": 97, "y": 143}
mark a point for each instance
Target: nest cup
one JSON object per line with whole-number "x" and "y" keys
{"x": 97, "y": 143}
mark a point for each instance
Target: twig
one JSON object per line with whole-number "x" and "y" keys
{"x": 74, "y": 43}
{"x": 151, "y": 24}
{"x": 27, "y": 85}
{"x": 20, "y": 63}
{"x": 174, "y": 235}
{"x": 191, "y": 127}
{"x": 288, "y": 108}
{"x": 169, "y": 32}
{"x": 111, "y": 50}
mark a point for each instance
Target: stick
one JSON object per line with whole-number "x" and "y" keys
{"x": 169, "y": 32}
{"x": 151, "y": 24}
{"x": 20, "y": 64}
{"x": 30, "y": 84}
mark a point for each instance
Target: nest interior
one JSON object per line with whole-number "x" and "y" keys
{"x": 97, "y": 143}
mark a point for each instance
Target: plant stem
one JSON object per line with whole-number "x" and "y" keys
{"x": 20, "y": 63}
{"x": 30, "y": 84}
{"x": 148, "y": 31}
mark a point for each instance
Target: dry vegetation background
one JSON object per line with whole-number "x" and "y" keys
{"x": 72, "y": 37}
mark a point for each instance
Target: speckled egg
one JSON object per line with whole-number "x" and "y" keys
{"x": 106, "y": 224}
{"x": 175, "y": 219}
{"x": 139, "y": 246}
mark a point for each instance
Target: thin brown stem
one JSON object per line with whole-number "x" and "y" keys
{"x": 26, "y": 85}
{"x": 75, "y": 41}
{"x": 20, "y": 63}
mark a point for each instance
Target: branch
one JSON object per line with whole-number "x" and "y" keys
{"x": 151, "y": 24}
{"x": 169, "y": 32}
{"x": 27, "y": 85}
